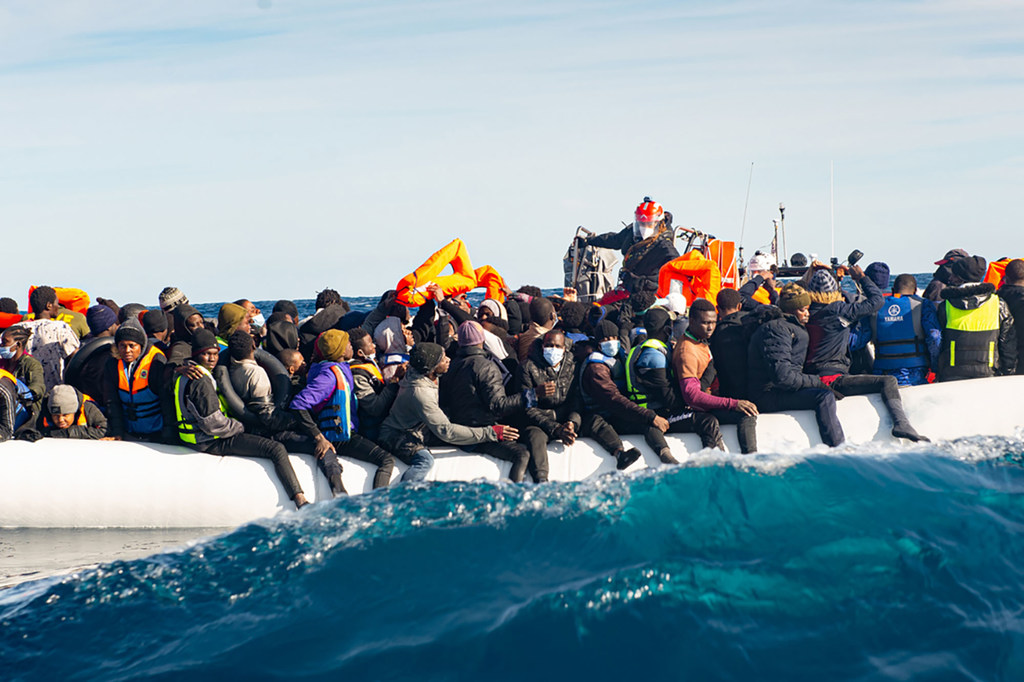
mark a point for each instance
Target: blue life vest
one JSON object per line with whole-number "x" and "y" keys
{"x": 140, "y": 403}
{"x": 337, "y": 419}
{"x": 898, "y": 335}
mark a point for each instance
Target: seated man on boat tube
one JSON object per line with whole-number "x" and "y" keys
{"x": 550, "y": 369}
{"x": 650, "y": 384}
{"x": 416, "y": 418}
{"x": 830, "y": 320}
{"x": 203, "y": 423}
{"x": 776, "y": 355}
{"x": 646, "y": 245}
{"x": 472, "y": 393}
{"x": 328, "y": 410}
{"x": 68, "y": 413}
{"x": 695, "y": 371}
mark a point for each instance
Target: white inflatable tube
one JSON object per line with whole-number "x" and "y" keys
{"x": 57, "y": 483}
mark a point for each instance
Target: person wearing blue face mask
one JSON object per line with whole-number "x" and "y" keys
{"x": 26, "y": 369}
{"x": 602, "y": 386}
{"x": 550, "y": 369}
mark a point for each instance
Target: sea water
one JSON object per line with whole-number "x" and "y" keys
{"x": 888, "y": 565}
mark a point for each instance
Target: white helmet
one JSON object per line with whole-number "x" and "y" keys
{"x": 761, "y": 262}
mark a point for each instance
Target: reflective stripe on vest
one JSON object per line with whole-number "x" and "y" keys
{"x": 632, "y": 387}
{"x": 335, "y": 419}
{"x": 970, "y": 336}
{"x": 898, "y": 335}
{"x": 21, "y": 415}
{"x": 186, "y": 432}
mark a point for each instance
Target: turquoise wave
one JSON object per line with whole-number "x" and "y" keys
{"x": 857, "y": 566}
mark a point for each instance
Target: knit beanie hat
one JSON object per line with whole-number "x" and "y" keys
{"x": 332, "y": 344}
{"x": 879, "y": 274}
{"x": 230, "y": 316}
{"x": 154, "y": 321}
{"x": 793, "y": 297}
{"x": 100, "y": 318}
{"x": 63, "y": 399}
{"x": 822, "y": 282}
{"x": 970, "y": 269}
{"x": 606, "y": 329}
{"x": 424, "y": 356}
{"x": 496, "y": 308}
{"x": 470, "y": 333}
{"x": 656, "y": 319}
{"x": 202, "y": 340}
{"x": 131, "y": 330}
{"x": 170, "y": 298}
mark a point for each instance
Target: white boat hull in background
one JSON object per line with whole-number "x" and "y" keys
{"x": 98, "y": 484}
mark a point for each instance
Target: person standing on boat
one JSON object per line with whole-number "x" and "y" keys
{"x": 978, "y": 336}
{"x": 1012, "y": 292}
{"x": 53, "y": 342}
{"x": 472, "y": 393}
{"x": 203, "y": 423}
{"x": 694, "y": 366}
{"x": 905, "y": 333}
{"x": 646, "y": 245}
{"x": 776, "y": 355}
{"x": 328, "y": 411}
{"x": 831, "y": 318}
{"x": 551, "y": 371}
{"x": 134, "y": 379}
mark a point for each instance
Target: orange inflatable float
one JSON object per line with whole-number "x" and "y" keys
{"x": 8, "y": 320}
{"x": 692, "y": 275}
{"x": 412, "y": 290}
{"x": 75, "y": 300}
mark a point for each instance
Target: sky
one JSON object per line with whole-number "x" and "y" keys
{"x": 270, "y": 148}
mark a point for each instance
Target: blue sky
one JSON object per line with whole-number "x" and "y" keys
{"x": 270, "y": 148}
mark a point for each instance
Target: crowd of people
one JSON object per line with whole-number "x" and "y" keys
{"x": 507, "y": 377}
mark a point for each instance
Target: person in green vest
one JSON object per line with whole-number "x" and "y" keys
{"x": 978, "y": 337}
{"x": 203, "y": 423}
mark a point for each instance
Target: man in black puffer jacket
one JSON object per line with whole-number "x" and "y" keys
{"x": 551, "y": 371}
{"x": 828, "y": 353}
{"x": 978, "y": 337}
{"x": 776, "y": 358}
{"x": 1012, "y": 292}
{"x": 472, "y": 393}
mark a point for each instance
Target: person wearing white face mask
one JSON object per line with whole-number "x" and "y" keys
{"x": 646, "y": 245}
{"x": 602, "y": 386}
{"x": 550, "y": 369}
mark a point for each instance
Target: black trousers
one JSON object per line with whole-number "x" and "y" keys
{"x": 356, "y": 447}
{"x": 821, "y": 400}
{"x": 746, "y": 428}
{"x": 248, "y": 445}
{"x": 592, "y": 426}
{"x": 703, "y": 424}
{"x": 514, "y": 452}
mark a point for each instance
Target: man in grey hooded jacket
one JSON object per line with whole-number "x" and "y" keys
{"x": 416, "y": 415}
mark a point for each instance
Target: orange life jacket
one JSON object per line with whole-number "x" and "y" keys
{"x": 72, "y": 299}
{"x": 691, "y": 274}
{"x": 80, "y": 419}
{"x": 996, "y": 271}
{"x": 412, "y": 288}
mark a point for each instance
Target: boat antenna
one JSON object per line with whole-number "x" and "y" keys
{"x": 746, "y": 203}
{"x": 782, "y": 224}
{"x": 832, "y": 204}
{"x": 775, "y": 243}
